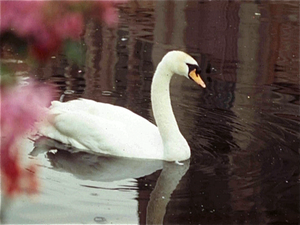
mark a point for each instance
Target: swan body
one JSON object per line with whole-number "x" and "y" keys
{"x": 100, "y": 127}
{"x": 96, "y": 127}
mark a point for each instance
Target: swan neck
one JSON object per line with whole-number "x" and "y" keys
{"x": 161, "y": 102}
{"x": 174, "y": 143}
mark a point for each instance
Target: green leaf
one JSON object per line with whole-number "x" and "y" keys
{"x": 7, "y": 76}
{"x": 75, "y": 51}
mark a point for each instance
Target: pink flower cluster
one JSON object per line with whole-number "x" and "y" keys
{"x": 46, "y": 24}
{"x": 21, "y": 107}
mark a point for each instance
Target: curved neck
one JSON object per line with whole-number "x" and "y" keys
{"x": 161, "y": 102}
{"x": 174, "y": 143}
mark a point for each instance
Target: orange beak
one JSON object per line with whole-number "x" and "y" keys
{"x": 196, "y": 77}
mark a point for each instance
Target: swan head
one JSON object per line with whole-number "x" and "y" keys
{"x": 183, "y": 64}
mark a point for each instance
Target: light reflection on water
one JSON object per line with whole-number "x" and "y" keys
{"x": 243, "y": 128}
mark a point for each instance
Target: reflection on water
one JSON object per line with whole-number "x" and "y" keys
{"x": 93, "y": 167}
{"x": 243, "y": 128}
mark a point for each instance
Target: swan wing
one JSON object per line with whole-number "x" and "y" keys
{"x": 104, "y": 128}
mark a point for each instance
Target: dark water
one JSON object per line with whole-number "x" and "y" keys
{"x": 243, "y": 128}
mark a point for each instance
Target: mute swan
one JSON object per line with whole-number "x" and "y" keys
{"x": 96, "y": 127}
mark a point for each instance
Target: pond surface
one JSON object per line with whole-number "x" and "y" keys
{"x": 243, "y": 129}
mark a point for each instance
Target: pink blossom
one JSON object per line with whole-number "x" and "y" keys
{"x": 24, "y": 17}
{"x": 69, "y": 25}
{"x": 46, "y": 24}
{"x": 107, "y": 11}
{"x": 21, "y": 107}
{"x": 110, "y": 16}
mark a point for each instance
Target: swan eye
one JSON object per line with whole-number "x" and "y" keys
{"x": 193, "y": 67}
{"x": 194, "y": 74}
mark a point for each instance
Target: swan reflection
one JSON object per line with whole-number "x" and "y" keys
{"x": 103, "y": 168}
{"x": 95, "y": 167}
{"x": 165, "y": 186}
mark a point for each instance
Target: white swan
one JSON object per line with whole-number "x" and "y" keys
{"x": 104, "y": 128}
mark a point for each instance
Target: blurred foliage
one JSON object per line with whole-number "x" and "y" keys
{"x": 7, "y": 76}
{"x": 75, "y": 51}
{"x": 37, "y": 30}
